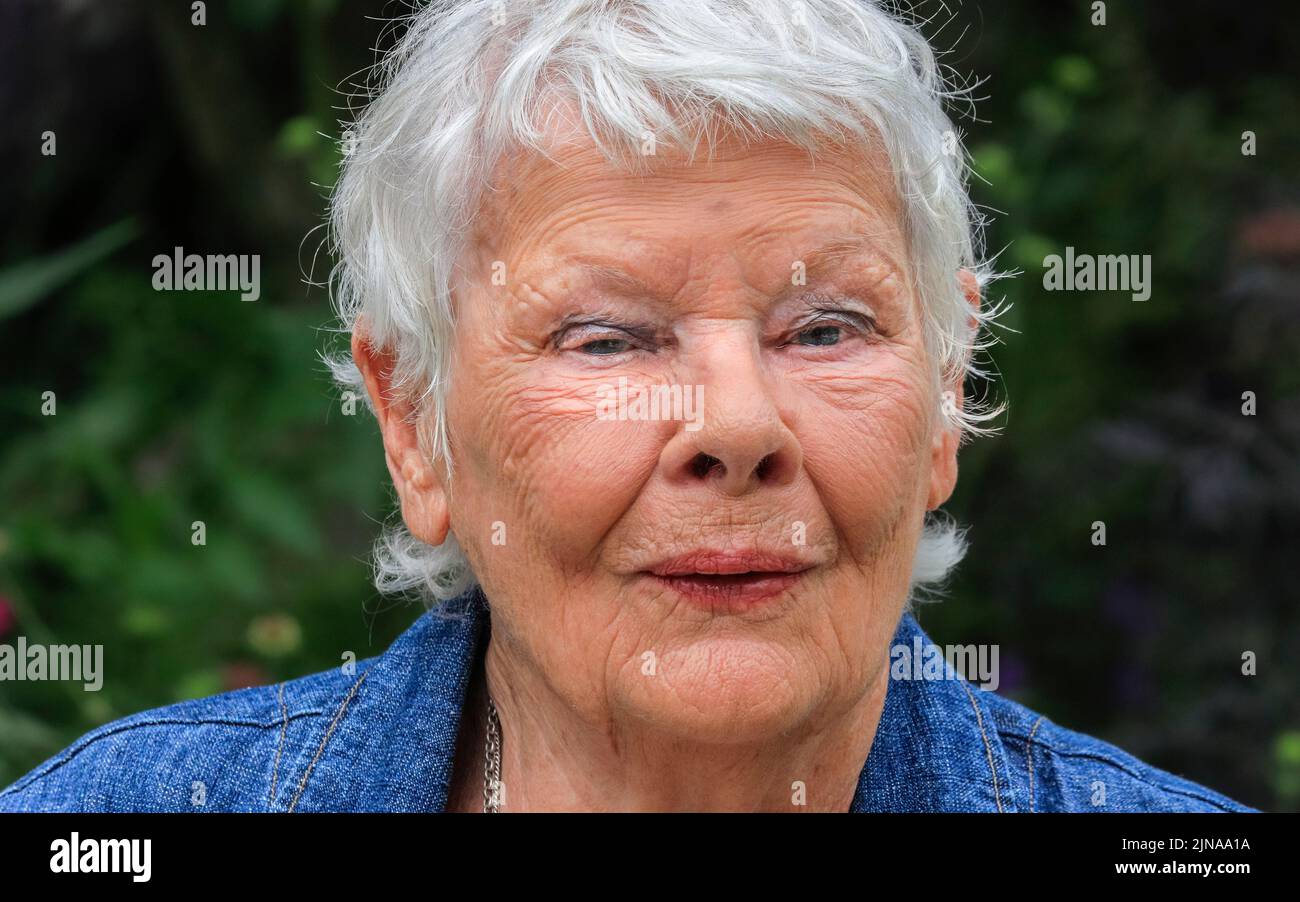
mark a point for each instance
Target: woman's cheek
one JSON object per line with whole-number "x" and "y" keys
{"x": 867, "y": 460}
{"x": 570, "y": 475}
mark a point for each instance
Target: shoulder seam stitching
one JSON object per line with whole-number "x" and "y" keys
{"x": 325, "y": 741}
{"x": 284, "y": 728}
{"x": 1119, "y": 766}
{"x": 26, "y": 781}
{"x": 988, "y": 749}
{"x": 1029, "y": 754}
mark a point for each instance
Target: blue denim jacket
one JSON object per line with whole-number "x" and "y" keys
{"x": 382, "y": 737}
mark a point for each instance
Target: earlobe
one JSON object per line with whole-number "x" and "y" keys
{"x": 419, "y": 487}
{"x": 943, "y": 461}
{"x": 943, "y": 468}
{"x": 943, "y": 450}
{"x": 424, "y": 509}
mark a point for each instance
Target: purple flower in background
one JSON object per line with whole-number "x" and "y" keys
{"x": 8, "y": 619}
{"x": 1011, "y": 673}
{"x": 1130, "y": 606}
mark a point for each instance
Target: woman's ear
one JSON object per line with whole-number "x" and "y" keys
{"x": 419, "y": 485}
{"x": 947, "y": 438}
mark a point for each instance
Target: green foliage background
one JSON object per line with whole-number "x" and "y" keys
{"x": 171, "y": 408}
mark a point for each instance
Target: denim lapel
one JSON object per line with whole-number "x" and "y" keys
{"x": 391, "y": 742}
{"x": 936, "y": 748}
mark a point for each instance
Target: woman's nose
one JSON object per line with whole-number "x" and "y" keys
{"x": 742, "y": 442}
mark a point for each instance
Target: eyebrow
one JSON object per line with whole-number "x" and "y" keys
{"x": 614, "y": 277}
{"x": 833, "y": 252}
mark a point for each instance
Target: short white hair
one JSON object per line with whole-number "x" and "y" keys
{"x": 464, "y": 87}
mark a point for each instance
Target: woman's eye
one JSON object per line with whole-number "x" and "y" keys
{"x": 830, "y": 328}
{"x": 819, "y": 336}
{"x": 592, "y": 339}
{"x": 604, "y": 347}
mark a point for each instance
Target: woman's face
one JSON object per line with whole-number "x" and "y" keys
{"x": 772, "y": 292}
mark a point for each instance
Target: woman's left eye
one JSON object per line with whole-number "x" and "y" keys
{"x": 828, "y": 329}
{"x": 820, "y": 336}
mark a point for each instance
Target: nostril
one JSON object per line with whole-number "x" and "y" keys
{"x": 764, "y": 467}
{"x": 702, "y": 464}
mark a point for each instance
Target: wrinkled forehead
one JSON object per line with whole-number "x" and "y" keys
{"x": 852, "y": 185}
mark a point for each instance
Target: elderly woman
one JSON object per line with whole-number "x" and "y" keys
{"x": 665, "y": 309}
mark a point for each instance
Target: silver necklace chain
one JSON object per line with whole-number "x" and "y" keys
{"x": 492, "y": 761}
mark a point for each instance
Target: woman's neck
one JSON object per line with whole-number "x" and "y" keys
{"x": 554, "y": 761}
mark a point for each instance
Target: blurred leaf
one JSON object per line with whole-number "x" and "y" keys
{"x": 1287, "y": 756}
{"x": 299, "y": 136}
{"x": 1030, "y": 251}
{"x": 1047, "y": 109}
{"x": 1074, "y": 73}
{"x": 24, "y": 733}
{"x": 994, "y": 164}
{"x": 275, "y": 511}
{"x": 198, "y": 684}
{"x": 25, "y": 284}
{"x": 254, "y": 15}
{"x": 145, "y": 620}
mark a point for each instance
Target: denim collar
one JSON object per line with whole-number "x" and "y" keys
{"x": 935, "y": 749}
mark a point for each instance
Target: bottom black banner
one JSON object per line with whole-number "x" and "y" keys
{"x": 337, "y": 852}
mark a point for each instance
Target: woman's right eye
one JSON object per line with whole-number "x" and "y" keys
{"x": 604, "y": 347}
{"x": 609, "y": 337}
{"x": 602, "y": 339}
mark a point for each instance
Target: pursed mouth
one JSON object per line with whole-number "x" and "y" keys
{"x": 722, "y": 593}
{"x": 727, "y": 579}
{"x": 750, "y": 565}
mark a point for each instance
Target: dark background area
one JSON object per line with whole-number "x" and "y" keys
{"x": 175, "y": 407}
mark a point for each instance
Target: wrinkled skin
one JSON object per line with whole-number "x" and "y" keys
{"x": 843, "y": 416}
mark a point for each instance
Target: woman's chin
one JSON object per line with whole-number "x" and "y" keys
{"x": 726, "y": 692}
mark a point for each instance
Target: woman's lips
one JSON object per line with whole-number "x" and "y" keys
{"x": 729, "y": 580}
{"x": 729, "y": 590}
